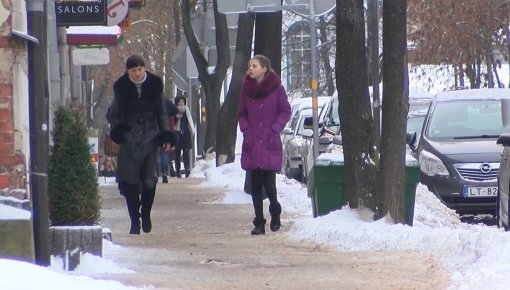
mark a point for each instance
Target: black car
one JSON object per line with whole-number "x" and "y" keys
{"x": 457, "y": 151}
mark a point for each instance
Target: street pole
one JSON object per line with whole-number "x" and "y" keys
{"x": 313, "y": 83}
{"x": 374, "y": 21}
{"x": 38, "y": 112}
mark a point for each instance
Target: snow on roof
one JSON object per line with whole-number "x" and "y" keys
{"x": 102, "y": 30}
{"x": 12, "y": 213}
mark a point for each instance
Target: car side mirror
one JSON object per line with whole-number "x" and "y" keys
{"x": 287, "y": 131}
{"x": 307, "y": 133}
{"x": 411, "y": 140}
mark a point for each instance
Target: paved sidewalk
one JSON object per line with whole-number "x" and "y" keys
{"x": 198, "y": 244}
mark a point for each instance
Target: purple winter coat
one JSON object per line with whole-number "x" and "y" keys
{"x": 264, "y": 110}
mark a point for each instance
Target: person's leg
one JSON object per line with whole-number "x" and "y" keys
{"x": 163, "y": 156}
{"x": 185, "y": 160}
{"x": 148, "y": 190}
{"x": 132, "y": 195}
{"x": 258, "y": 205}
{"x": 171, "y": 157}
{"x": 178, "y": 151}
{"x": 275, "y": 208}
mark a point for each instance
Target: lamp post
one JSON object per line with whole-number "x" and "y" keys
{"x": 39, "y": 138}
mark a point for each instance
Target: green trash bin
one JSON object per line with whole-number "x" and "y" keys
{"x": 412, "y": 178}
{"x": 326, "y": 184}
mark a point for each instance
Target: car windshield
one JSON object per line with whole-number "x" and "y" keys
{"x": 466, "y": 119}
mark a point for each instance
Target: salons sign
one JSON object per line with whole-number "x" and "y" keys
{"x": 81, "y": 12}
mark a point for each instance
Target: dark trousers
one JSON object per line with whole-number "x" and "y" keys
{"x": 181, "y": 154}
{"x": 139, "y": 199}
{"x": 267, "y": 179}
{"x": 166, "y": 163}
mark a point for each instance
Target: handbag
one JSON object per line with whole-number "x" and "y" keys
{"x": 110, "y": 148}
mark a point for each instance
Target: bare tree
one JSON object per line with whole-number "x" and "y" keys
{"x": 212, "y": 82}
{"x": 471, "y": 33}
{"x": 354, "y": 100}
{"x": 395, "y": 105}
{"x": 226, "y": 138}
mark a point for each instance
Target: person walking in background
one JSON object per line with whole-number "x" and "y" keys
{"x": 139, "y": 123}
{"x": 263, "y": 111}
{"x": 167, "y": 156}
{"x": 186, "y": 130}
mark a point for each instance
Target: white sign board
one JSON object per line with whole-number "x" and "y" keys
{"x": 90, "y": 56}
{"x": 299, "y": 6}
{"x": 320, "y": 7}
{"x": 116, "y": 11}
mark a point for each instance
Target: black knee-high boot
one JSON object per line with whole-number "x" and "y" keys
{"x": 259, "y": 222}
{"x": 132, "y": 196}
{"x": 275, "y": 209}
{"x": 148, "y": 194}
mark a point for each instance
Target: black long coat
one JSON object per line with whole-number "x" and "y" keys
{"x": 137, "y": 124}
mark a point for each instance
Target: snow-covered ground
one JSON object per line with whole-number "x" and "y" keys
{"x": 477, "y": 256}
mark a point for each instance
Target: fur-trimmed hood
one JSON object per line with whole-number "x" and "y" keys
{"x": 255, "y": 90}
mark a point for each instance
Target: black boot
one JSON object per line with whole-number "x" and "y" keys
{"x": 275, "y": 211}
{"x": 187, "y": 173}
{"x": 146, "y": 225}
{"x": 260, "y": 227}
{"x": 165, "y": 179}
{"x": 135, "y": 227}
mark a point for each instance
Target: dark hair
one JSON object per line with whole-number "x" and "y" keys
{"x": 264, "y": 61}
{"x": 178, "y": 98}
{"x": 134, "y": 61}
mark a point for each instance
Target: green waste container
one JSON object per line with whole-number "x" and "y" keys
{"x": 412, "y": 178}
{"x": 326, "y": 184}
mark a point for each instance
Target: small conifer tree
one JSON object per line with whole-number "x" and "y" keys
{"x": 72, "y": 182}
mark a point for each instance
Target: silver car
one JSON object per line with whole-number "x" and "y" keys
{"x": 329, "y": 124}
{"x": 292, "y": 150}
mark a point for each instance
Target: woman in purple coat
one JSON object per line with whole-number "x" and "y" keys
{"x": 264, "y": 110}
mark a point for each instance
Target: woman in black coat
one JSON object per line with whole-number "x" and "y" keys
{"x": 139, "y": 124}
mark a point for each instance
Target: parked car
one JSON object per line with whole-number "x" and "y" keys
{"x": 292, "y": 150}
{"x": 415, "y": 121}
{"x": 329, "y": 126}
{"x": 457, "y": 152}
{"x": 296, "y": 106}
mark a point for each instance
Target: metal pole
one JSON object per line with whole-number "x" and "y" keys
{"x": 38, "y": 110}
{"x": 313, "y": 83}
{"x": 375, "y": 71}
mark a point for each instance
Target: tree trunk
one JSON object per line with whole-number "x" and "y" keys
{"x": 177, "y": 22}
{"x": 211, "y": 82}
{"x": 268, "y": 38}
{"x": 324, "y": 51}
{"x": 395, "y": 104}
{"x": 354, "y": 100}
{"x": 226, "y": 138}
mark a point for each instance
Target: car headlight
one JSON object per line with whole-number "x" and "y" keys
{"x": 431, "y": 165}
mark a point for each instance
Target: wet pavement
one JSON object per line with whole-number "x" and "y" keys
{"x": 198, "y": 243}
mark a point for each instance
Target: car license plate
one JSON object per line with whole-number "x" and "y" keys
{"x": 476, "y": 191}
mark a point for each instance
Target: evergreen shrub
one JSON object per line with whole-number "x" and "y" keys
{"x": 72, "y": 183}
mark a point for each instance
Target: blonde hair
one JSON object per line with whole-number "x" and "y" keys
{"x": 263, "y": 61}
